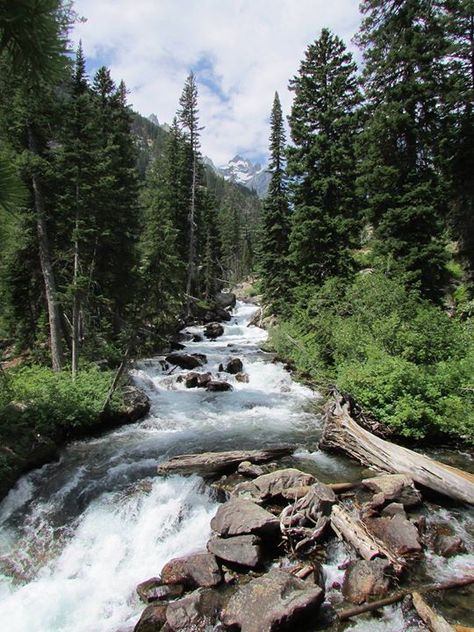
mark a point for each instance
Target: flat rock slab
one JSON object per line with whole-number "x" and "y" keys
{"x": 245, "y": 550}
{"x": 272, "y": 601}
{"x": 273, "y": 484}
{"x": 239, "y": 516}
{"x": 154, "y": 590}
{"x": 364, "y": 579}
{"x": 216, "y": 462}
{"x": 195, "y": 570}
{"x": 395, "y": 487}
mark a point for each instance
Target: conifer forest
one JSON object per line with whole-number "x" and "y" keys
{"x": 253, "y": 385}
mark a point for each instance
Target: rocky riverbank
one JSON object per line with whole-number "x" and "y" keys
{"x": 263, "y": 567}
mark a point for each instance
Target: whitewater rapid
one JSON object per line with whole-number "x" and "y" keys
{"x": 77, "y": 536}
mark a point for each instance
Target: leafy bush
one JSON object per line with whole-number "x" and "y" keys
{"x": 401, "y": 357}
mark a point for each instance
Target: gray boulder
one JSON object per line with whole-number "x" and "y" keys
{"x": 398, "y": 533}
{"x": 242, "y": 377}
{"x": 239, "y": 516}
{"x": 186, "y": 361}
{"x": 225, "y": 299}
{"x": 273, "y": 484}
{"x": 216, "y": 386}
{"x": 153, "y": 618}
{"x": 395, "y": 487}
{"x": 154, "y": 590}
{"x": 272, "y": 602}
{"x": 197, "y": 612}
{"x": 192, "y": 571}
{"x": 214, "y": 330}
{"x": 245, "y": 550}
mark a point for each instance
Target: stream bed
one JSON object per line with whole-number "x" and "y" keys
{"x": 78, "y": 535}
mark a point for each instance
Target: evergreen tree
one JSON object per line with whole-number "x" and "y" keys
{"x": 403, "y": 46}
{"x": 323, "y": 125}
{"x": 275, "y": 219}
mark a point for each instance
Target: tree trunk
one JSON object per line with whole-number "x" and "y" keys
{"x": 192, "y": 234}
{"x": 75, "y": 301}
{"x": 341, "y": 432}
{"x": 45, "y": 260}
{"x": 434, "y": 621}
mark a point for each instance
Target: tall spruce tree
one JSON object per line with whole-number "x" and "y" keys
{"x": 275, "y": 227}
{"x": 321, "y": 163}
{"x": 403, "y": 46}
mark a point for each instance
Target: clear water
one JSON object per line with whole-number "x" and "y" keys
{"x": 77, "y": 536}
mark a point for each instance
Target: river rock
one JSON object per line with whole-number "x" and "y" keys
{"x": 152, "y": 619}
{"x": 191, "y": 380}
{"x": 214, "y": 330}
{"x": 239, "y": 516}
{"x": 187, "y": 361}
{"x": 449, "y": 545}
{"x": 197, "y": 338}
{"x": 197, "y": 612}
{"x": 216, "y": 314}
{"x": 245, "y": 550}
{"x": 216, "y": 386}
{"x": 242, "y": 377}
{"x": 393, "y": 509}
{"x": 154, "y": 590}
{"x": 215, "y": 462}
{"x": 203, "y": 379}
{"x": 366, "y": 579}
{"x": 272, "y": 601}
{"x": 250, "y": 469}
{"x": 195, "y": 570}
{"x": 395, "y": 487}
{"x": 398, "y": 533}
{"x": 234, "y": 366}
{"x": 273, "y": 484}
{"x": 225, "y": 299}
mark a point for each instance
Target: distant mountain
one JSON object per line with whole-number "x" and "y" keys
{"x": 245, "y": 172}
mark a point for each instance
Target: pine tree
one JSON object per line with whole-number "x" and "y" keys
{"x": 323, "y": 126}
{"x": 403, "y": 46}
{"x": 275, "y": 219}
{"x": 188, "y": 117}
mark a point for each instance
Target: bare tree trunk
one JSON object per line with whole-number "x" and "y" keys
{"x": 75, "y": 301}
{"x": 434, "y": 621}
{"x": 46, "y": 264}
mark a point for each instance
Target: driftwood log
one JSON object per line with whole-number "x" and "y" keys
{"x": 216, "y": 462}
{"x": 434, "y": 621}
{"x": 341, "y": 432}
{"x": 348, "y": 613}
{"x": 353, "y": 531}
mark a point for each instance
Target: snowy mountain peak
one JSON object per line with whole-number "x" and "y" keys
{"x": 243, "y": 171}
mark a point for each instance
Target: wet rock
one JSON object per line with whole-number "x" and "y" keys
{"x": 197, "y": 338}
{"x": 397, "y": 532}
{"x": 186, "y": 361}
{"x": 449, "y": 545}
{"x": 242, "y": 377}
{"x": 393, "y": 509}
{"x": 154, "y": 590}
{"x": 366, "y": 579}
{"x": 216, "y": 314}
{"x": 272, "y": 601}
{"x": 191, "y": 380}
{"x": 242, "y": 549}
{"x": 225, "y": 299}
{"x": 273, "y": 484}
{"x": 214, "y": 330}
{"x": 217, "y": 386}
{"x": 203, "y": 379}
{"x": 152, "y": 619}
{"x": 197, "y": 612}
{"x": 234, "y": 366}
{"x": 192, "y": 571}
{"x": 239, "y": 516}
{"x": 396, "y": 487}
{"x": 250, "y": 469}
{"x": 176, "y": 346}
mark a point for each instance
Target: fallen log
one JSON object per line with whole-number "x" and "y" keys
{"x": 348, "y": 613}
{"x": 341, "y": 432}
{"x": 462, "y": 628}
{"x": 216, "y": 462}
{"x": 434, "y": 621}
{"x": 353, "y": 531}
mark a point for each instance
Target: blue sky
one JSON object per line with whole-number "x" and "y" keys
{"x": 241, "y": 51}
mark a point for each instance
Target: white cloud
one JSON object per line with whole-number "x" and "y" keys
{"x": 247, "y": 49}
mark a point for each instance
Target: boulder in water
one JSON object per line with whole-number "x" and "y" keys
{"x": 239, "y": 516}
{"x": 244, "y": 550}
{"x": 153, "y": 618}
{"x": 214, "y": 330}
{"x": 272, "y": 602}
{"x": 397, "y": 532}
{"x": 217, "y": 386}
{"x": 192, "y": 571}
{"x": 273, "y": 484}
{"x": 197, "y": 612}
{"x": 186, "y": 361}
{"x": 191, "y": 380}
{"x": 242, "y": 377}
{"x": 364, "y": 579}
{"x": 154, "y": 590}
{"x": 250, "y": 469}
{"x": 225, "y": 299}
{"x": 234, "y": 366}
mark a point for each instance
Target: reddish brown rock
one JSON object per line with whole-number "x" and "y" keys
{"x": 153, "y": 618}
{"x": 365, "y": 579}
{"x": 197, "y": 569}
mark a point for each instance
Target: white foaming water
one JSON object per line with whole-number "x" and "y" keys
{"x": 77, "y": 536}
